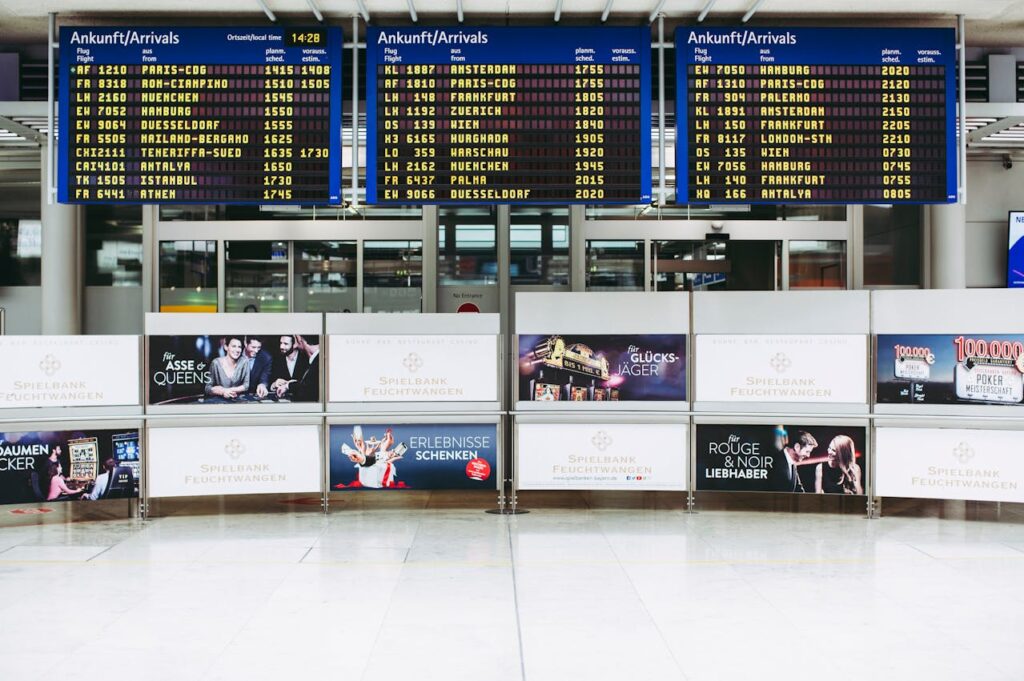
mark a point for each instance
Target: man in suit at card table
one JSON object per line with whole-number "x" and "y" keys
{"x": 259, "y": 366}
{"x": 289, "y": 366}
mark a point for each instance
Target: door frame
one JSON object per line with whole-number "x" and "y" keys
{"x": 740, "y": 230}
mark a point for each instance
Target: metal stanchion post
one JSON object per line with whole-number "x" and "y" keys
{"x": 507, "y": 496}
{"x": 144, "y": 484}
{"x": 325, "y": 464}
{"x": 502, "y": 482}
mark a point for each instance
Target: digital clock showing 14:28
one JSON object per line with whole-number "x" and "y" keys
{"x": 305, "y": 38}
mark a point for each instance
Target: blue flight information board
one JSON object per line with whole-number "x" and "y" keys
{"x": 508, "y": 115}
{"x": 815, "y": 115}
{"x": 200, "y": 115}
{"x": 1015, "y": 254}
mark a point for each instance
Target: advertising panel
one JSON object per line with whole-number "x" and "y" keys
{"x": 234, "y": 369}
{"x": 68, "y": 371}
{"x": 68, "y": 465}
{"x": 408, "y": 368}
{"x": 609, "y": 456}
{"x": 950, "y": 463}
{"x": 782, "y": 458}
{"x": 414, "y": 456}
{"x": 602, "y": 368}
{"x": 950, "y": 369}
{"x": 202, "y": 461}
{"x": 816, "y": 368}
{"x": 1015, "y": 255}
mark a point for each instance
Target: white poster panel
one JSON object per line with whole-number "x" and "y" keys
{"x": 68, "y": 371}
{"x": 202, "y": 461}
{"x": 830, "y": 369}
{"x": 949, "y": 463}
{"x": 423, "y": 368}
{"x": 596, "y": 456}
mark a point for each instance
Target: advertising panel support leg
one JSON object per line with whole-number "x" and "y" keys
{"x": 874, "y": 508}
{"x": 507, "y": 499}
{"x": 325, "y": 467}
{"x": 501, "y": 467}
{"x": 144, "y": 483}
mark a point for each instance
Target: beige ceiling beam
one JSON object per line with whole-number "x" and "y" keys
{"x": 316, "y": 10}
{"x": 266, "y": 10}
{"x": 656, "y": 11}
{"x": 607, "y": 10}
{"x": 750, "y": 12}
{"x": 30, "y": 134}
{"x": 981, "y": 133}
{"x": 363, "y": 11}
{"x": 704, "y": 11}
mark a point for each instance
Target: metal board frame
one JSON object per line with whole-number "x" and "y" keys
{"x": 136, "y": 506}
{"x": 425, "y": 418}
{"x": 173, "y": 324}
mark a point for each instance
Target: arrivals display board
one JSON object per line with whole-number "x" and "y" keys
{"x": 508, "y": 115}
{"x": 200, "y": 115}
{"x": 815, "y": 115}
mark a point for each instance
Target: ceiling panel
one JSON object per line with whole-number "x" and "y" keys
{"x": 1009, "y": 10}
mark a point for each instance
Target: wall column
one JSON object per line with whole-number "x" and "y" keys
{"x": 948, "y": 245}
{"x": 61, "y": 262}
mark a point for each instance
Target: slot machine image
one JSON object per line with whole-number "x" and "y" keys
{"x": 547, "y": 392}
{"x": 84, "y": 453}
{"x": 127, "y": 452}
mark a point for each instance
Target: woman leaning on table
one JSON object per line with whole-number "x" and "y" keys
{"x": 229, "y": 375}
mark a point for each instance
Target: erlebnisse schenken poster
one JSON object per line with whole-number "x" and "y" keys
{"x": 950, "y": 369}
{"x": 602, "y": 368}
{"x": 414, "y": 456}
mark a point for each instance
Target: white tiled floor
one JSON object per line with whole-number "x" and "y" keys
{"x": 584, "y": 587}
